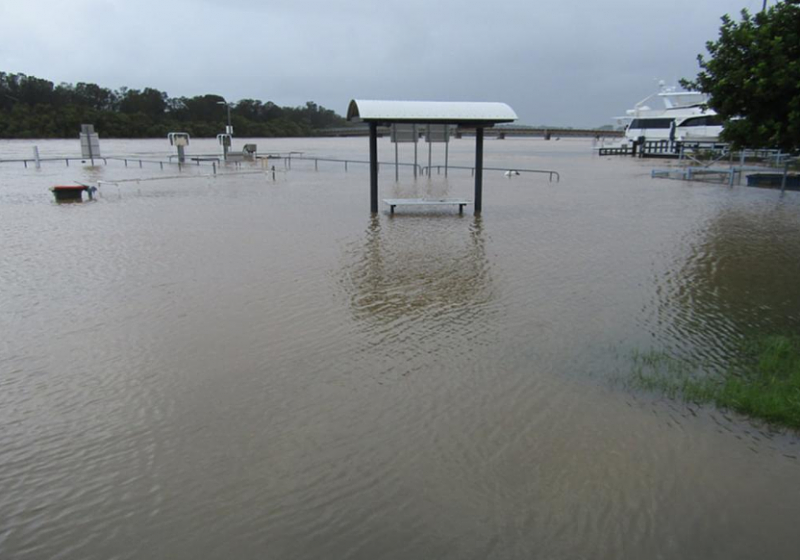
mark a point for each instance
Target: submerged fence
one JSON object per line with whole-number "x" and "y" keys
{"x": 217, "y": 162}
{"x": 422, "y": 170}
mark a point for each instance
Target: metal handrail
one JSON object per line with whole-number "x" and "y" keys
{"x": 197, "y": 161}
{"x": 288, "y": 160}
{"x": 349, "y": 161}
{"x": 550, "y": 173}
{"x": 423, "y": 169}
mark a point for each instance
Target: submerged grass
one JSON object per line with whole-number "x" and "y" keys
{"x": 763, "y": 382}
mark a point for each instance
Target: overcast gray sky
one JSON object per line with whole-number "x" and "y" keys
{"x": 567, "y": 62}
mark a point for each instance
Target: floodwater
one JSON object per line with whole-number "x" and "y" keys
{"x": 231, "y": 366}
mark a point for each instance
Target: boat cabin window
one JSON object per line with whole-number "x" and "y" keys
{"x": 651, "y": 123}
{"x": 709, "y": 120}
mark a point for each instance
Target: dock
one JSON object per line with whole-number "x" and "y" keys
{"x": 664, "y": 149}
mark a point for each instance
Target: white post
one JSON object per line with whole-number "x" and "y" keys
{"x": 416, "y": 138}
{"x": 446, "y": 147}
{"x": 36, "y": 157}
{"x": 429, "y": 150}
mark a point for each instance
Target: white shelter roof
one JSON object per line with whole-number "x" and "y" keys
{"x": 442, "y": 112}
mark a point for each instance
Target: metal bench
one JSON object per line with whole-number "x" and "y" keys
{"x": 392, "y": 202}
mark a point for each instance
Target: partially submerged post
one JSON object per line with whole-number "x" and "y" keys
{"x": 180, "y": 140}
{"x": 225, "y": 139}
{"x": 438, "y": 133}
{"x": 373, "y": 167}
{"x": 460, "y": 114}
{"x": 403, "y": 133}
{"x": 478, "y": 169}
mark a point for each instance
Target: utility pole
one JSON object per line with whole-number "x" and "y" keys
{"x": 225, "y": 139}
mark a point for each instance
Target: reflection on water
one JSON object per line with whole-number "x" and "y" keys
{"x": 416, "y": 267}
{"x": 736, "y": 280}
{"x": 435, "y": 186}
{"x": 421, "y": 286}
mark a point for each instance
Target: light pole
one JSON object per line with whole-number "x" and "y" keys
{"x": 225, "y": 139}
{"x": 229, "y": 128}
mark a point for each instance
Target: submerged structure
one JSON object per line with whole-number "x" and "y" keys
{"x": 474, "y": 115}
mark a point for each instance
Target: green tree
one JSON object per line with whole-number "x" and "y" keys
{"x": 150, "y": 102}
{"x": 96, "y": 97}
{"x": 752, "y": 77}
{"x": 31, "y": 107}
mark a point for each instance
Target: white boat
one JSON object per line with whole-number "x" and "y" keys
{"x": 681, "y": 117}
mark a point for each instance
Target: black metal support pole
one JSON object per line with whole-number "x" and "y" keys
{"x": 416, "y": 138}
{"x": 783, "y": 179}
{"x": 478, "y": 169}
{"x": 430, "y": 148}
{"x": 373, "y": 168}
{"x": 446, "y": 149}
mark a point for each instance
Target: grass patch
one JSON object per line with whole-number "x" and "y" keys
{"x": 763, "y": 382}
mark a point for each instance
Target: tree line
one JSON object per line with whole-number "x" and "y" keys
{"x": 32, "y": 107}
{"x": 752, "y": 77}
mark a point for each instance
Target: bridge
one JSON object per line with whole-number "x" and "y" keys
{"x": 497, "y": 132}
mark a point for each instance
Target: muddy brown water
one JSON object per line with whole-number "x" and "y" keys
{"x": 235, "y": 367}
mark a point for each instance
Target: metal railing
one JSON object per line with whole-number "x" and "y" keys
{"x": 514, "y": 170}
{"x": 98, "y": 159}
{"x": 423, "y": 170}
{"x": 347, "y": 162}
{"x": 196, "y": 161}
{"x": 287, "y": 157}
{"x": 65, "y": 159}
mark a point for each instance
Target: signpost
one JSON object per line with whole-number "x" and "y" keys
{"x": 438, "y": 133}
{"x": 90, "y": 143}
{"x": 179, "y": 140}
{"x": 403, "y": 133}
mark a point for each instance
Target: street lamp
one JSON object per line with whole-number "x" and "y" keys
{"x": 229, "y": 128}
{"x": 225, "y": 139}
